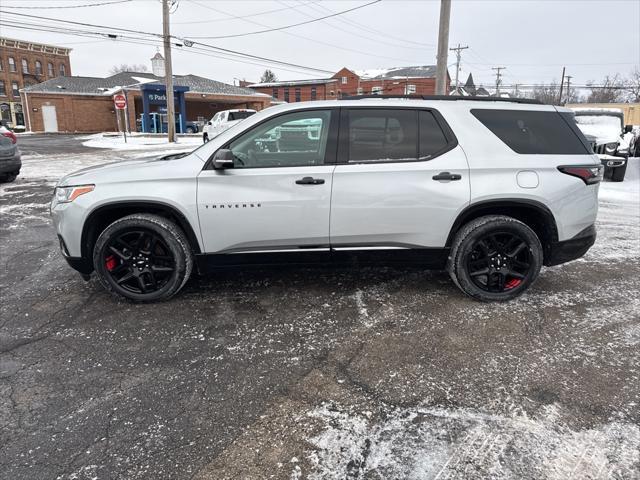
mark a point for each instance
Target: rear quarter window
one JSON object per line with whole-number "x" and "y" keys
{"x": 533, "y": 132}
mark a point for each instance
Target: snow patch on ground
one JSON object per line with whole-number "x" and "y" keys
{"x": 439, "y": 443}
{"x": 135, "y": 142}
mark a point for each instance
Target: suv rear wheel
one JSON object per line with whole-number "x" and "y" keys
{"x": 143, "y": 258}
{"x": 495, "y": 258}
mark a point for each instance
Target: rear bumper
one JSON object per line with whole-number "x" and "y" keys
{"x": 12, "y": 164}
{"x": 576, "y": 247}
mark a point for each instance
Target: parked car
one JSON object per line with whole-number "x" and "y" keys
{"x": 224, "y": 120}
{"x": 10, "y": 161}
{"x": 489, "y": 189}
{"x": 612, "y": 141}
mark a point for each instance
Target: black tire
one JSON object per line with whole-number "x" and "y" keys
{"x": 191, "y": 130}
{"x": 618, "y": 173}
{"x": 8, "y": 177}
{"x": 498, "y": 269}
{"x": 143, "y": 257}
{"x": 205, "y": 138}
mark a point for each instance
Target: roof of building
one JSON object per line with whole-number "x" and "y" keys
{"x": 157, "y": 56}
{"x": 290, "y": 83}
{"x": 35, "y": 46}
{"x": 133, "y": 80}
{"x": 424, "y": 71}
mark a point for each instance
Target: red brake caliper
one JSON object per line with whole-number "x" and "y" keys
{"x": 513, "y": 283}
{"x": 110, "y": 262}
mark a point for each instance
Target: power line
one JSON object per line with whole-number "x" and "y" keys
{"x": 215, "y": 20}
{"x": 498, "y": 76}
{"x": 458, "y": 51}
{"x": 69, "y": 6}
{"x": 292, "y": 25}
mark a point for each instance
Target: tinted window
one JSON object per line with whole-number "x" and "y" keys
{"x": 293, "y": 139}
{"x": 432, "y": 139}
{"x": 531, "y": 132}
{"x": 239, "y": 115}
{"x": 382, "y": 135}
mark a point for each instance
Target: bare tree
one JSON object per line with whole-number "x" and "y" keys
{"x": 268, "y": 76}
{"x": 140, "y": 68}
{"x": 633, "y": 85}
{"x": 611, "y": 90}
{"x": 548, "y": 94}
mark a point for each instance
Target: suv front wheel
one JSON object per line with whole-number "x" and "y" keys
{"x": 495, "y": 258}
{"x": 143, "y": 258}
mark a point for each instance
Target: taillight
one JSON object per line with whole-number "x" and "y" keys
{"x": 10, "y": 135}
{"x": 589, "y": 174}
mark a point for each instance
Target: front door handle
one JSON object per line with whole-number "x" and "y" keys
{"x": 447, "y": 176}
{"x": 310, "y": 181}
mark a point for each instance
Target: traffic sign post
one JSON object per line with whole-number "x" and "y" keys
{"x": 120, "y": 102}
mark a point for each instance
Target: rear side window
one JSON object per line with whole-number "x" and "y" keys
{"x": 532, "y": 132}
{"x": 432, "y": 138}
{"x": 382, "y": 135}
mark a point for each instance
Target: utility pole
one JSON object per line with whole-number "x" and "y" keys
{"x": 168, "y": 73}
{"x": 498, "y": 77}
{"x": 443, "y": 48}
{"x": 561, "y": 86}
{"x": 569, "y": 77}
{"x": 458, "y": 49}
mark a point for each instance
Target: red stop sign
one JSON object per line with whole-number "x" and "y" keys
{"x": 120, "y": 101}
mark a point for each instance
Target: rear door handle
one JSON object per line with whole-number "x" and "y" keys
{"x": 310, "y": 181}
{"x": 447, "y": 176}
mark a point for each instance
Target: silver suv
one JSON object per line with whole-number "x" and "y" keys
{"x": 489, "y": 189}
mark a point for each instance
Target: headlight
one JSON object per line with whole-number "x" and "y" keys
{"x": 69, "y": 194}
{"x": 611, "y": 147}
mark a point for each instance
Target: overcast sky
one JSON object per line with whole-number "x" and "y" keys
{"x": 533, "y": 39}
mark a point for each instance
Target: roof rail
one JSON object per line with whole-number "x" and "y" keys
{"x": 448, "y": 97}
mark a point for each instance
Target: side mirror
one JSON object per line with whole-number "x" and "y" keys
{"x": 222, "y": 159}
{"x": 208, "y": 123}
{"x": 628, "y": 128}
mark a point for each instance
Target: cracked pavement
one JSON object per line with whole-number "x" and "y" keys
{"x": 292, "y": 373}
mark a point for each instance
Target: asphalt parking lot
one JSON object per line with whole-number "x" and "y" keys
{"x": 321, "y": 373}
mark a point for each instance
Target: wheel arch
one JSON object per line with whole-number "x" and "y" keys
{"x": 534, "y": 214}
{"x": 106, "y": 214}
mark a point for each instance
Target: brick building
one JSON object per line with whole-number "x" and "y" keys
{"x": 418, "y": 80}
{"x": 85, "y": 104}
{"x": 23, "y": 64}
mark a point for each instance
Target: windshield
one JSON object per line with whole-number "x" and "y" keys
{"x": 239, "y": 115}
{"x": 600, "y": 125}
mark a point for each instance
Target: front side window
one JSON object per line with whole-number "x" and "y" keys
{"x": 25, "y": 66}
{"x": 291, "y": 140}
{"x": 12, "y": 64}
{"x": 50, "y": 69}
{"x": 240, "y": 115}
{"x": 38, "y": 67}
{"x": 533, "y": 132}
{"x": 382, "y": 135}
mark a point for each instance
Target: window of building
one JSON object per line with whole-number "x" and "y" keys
{"x": 12, "y": 64}
{"x": 409, "y": 89}
{"x": 376, "y": 90}
{"x": 360, "y": 91}
{"x": 15, "y": 89}
{"x": 38, "y": 67}
{"x": 25, "y": 66}
{"x": 332, "y": 93}
{"x": 1, "y": 65}
{"x": 286, "y": 94}
{"x": 314, "y": 93}
{"x": 432, "y": 138}
{"x": 297, "y": 94}
{"x": 382, "y": 135}
{"x": 291, "y": 140}
{"x": 50, "y": 69}
{"x": 3, "y": 91}
{"x": 275, "y": 93}
{"x": 344, "y": 80}
{"x": 533, "y": 132}
{"x": 5, "y": 112}
{"x": 63, "y": 70}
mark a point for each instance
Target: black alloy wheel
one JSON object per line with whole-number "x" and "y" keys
{"x": 499, "y": 261}
{"x": 139, "y": 261}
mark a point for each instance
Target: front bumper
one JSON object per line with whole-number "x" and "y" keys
{"x": 576, "y": 247}
{"x": 80, "y": 264}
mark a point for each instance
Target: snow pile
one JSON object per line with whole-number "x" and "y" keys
{"x": 135, "y": 142}
{"x": 627, "y": 191}
{"x": 417, "y": 443}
